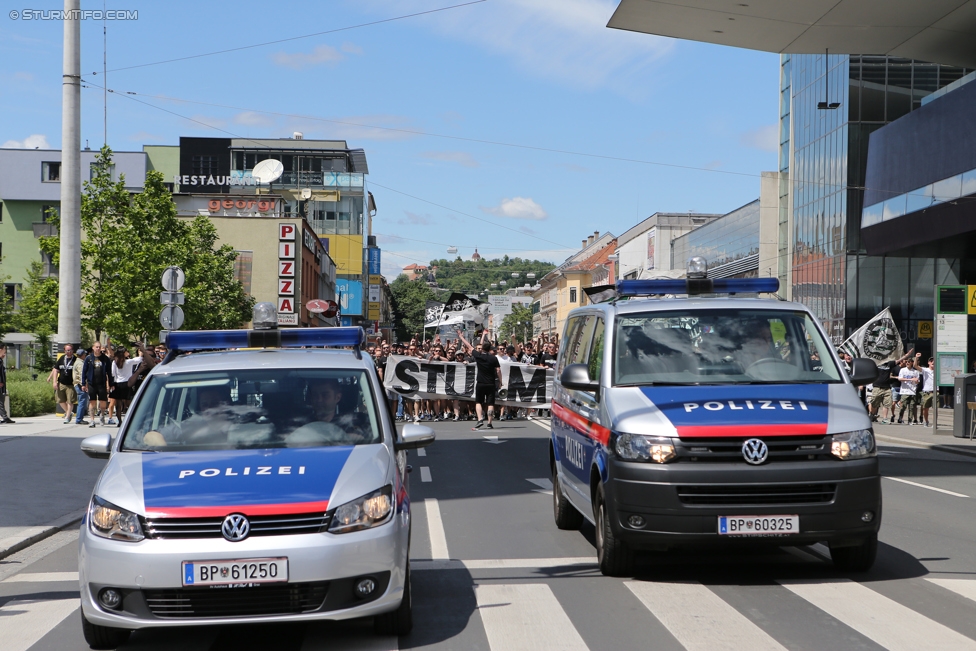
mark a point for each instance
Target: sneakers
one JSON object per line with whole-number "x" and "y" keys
{"x": 67, "y": 419}
{"x": 92, "y": 424}
{"x": 81, "y": 422}
{"x": 111, "y": 421}
{"x": 489, "y": 426}
{"x": 480, "y": 424}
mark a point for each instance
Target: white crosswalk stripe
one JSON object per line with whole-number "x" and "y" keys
{"x": 700, "y": 619}
{"x": 526, "y": 617}
{"x": 887, "y": 622}
{"x": 964, "y": 587}
{"x": 26, "y": 622}
{"x": 41, "y": 577}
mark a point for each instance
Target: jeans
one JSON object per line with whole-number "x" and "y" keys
{"x": 82, "y": 403}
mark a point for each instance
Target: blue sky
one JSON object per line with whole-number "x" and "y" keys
{"x": 546, "y": 74}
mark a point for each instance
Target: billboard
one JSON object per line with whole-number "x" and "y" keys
{"x": 350, "y": 296}
{"x": 373, "y": 260}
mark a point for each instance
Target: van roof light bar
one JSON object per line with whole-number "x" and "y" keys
{"x": 180, "y": 341}
{"x": 697, "y": 286}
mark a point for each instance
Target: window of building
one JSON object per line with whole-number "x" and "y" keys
{"x": 242, "y": 269}
{"x": 51, "y": 172}
{"x": 207, "y": 165}
{"x": 1, "y": 212}
{"x": 49, "y": 270}
{"x": 93, "y": 170}
{"x": 11, "y": 292}
{"x": 47, "y": 212}
{"x": 572, "y": 294}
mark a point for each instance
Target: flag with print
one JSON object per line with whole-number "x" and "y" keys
{"x": 878, "y": 339}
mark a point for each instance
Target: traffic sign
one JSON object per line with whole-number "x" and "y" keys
{"x": 172, "y": 298}
{"x": 173, "y": 279}
{"x": 332, "y": 310}
{"x": 317, "y": 306}
{"x": 171, "y": 317}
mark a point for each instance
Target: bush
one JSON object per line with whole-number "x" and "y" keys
{"x": 30, "y": 398}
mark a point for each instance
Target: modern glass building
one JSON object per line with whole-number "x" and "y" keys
{"x": 824, "y": 157}
{"x": 730, "y": 244}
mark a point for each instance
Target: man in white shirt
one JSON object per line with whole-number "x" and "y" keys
{"x": 928, "y": 387}
{"x": 909, "y": 378}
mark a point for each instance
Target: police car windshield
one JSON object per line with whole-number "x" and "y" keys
{"x": 721, "y": 346}
{"x": 224, "y": 410}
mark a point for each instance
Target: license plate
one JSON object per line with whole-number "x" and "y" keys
{"x": 758, "y": 525}
{"x": 239, "y": 572}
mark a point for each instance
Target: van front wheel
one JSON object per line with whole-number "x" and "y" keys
{"x": 614, "y": 556}
{"x": 856, "y": 559}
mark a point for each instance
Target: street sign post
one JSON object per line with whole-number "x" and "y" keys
{"x": 171, "y": 317}
{"x": 173, "y": 279}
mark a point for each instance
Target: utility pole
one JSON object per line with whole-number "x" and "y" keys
{"x": 69, "y": 267}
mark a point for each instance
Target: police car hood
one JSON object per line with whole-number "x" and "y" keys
{"x": 736, "y": 410}
{"x": 214, "y": 483}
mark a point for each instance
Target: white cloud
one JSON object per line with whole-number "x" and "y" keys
{"x": 207, "y": 122}
{"x": 33, "y": 141}
{"x": 145, "y": 136}
{"x": 565, "y": 40}
{"x": 351, "y": 48}
{"x": 322, "y": 54}
{"x": 462, "y": 158}
{"x": 414, "y": 219}
{"x": 23, "y": 76}
{"x": 518, "y": 208}
{"x": 765, "y": 138}
{"x": 253, "y": 119}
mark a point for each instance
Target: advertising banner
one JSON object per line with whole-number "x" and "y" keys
{"x": 351, "y": 296}
{"x": 414, "y": 377}
{"x": 373, "y": 260}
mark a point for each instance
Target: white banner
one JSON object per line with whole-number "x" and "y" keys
{"x": 414, "y": 377}
{"x": 878, "y": 339}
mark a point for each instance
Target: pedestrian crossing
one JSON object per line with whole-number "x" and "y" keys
{"x": 539, "y": 611}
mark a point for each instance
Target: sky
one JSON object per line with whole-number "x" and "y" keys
{"x": 515, "y": 126}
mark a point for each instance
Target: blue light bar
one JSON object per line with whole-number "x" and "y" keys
{"x": 695, "y": 286}
{"x": 181, "y": 341}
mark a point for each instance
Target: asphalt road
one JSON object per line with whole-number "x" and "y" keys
{"x": 491, "y": 571}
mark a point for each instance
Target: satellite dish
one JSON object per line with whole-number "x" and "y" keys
{"x": 267, "y": 171}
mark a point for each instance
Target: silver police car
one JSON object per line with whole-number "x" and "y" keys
{"x": 261, "y": 481}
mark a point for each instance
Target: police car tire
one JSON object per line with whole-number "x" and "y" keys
{"x": 614, "y": 556}
{"x": 103, "y": 637}
{"x": 565, "y": 514}
{"x": 856, "y": 559}
{"x": 399, "y": 621}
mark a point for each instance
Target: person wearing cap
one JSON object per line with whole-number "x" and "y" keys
{"x": 78, "y": 373}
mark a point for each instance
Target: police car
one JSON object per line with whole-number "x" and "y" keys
{"x": 264, "y": 484}
{"x": 710, "y": 418}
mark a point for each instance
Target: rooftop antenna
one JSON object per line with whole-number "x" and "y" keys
{"x": 827, "y": 104}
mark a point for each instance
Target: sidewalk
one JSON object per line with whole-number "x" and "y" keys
{"x": 926, "y": 437}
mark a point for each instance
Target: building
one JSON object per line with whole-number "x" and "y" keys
{"x": 561, "y": 290}
{"x": 644, "y": 250}
{"x": 30, "y": 186}
{"x": 729, "y": 244}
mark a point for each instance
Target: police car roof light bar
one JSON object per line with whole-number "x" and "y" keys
{"x": 179, "y": 341}
{"x": 696, "y": 286}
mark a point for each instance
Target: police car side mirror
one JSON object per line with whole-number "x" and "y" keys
{"x": 98, "y": 446}
{"x": 577, "y": 377}
{"x": 865, "y": 371}
{"x": 414, "y": 436}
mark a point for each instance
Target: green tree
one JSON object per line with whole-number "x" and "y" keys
{"x": 474, "y": 276}
{"x": 409, "y": 304}
{"x": 515, "y": 323}
{"x": 38, "y": 311}
{"x": 129, "y": 240}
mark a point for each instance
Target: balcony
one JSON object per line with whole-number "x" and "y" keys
{"x": 44, "y": 229}
{"x": 338, "y": 180}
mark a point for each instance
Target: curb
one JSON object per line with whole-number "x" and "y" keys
{"x": 940, "y": 447}
{"x": 42, "y": 532}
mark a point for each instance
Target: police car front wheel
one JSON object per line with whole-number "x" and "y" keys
{"x": 615, "y": 557}
{"x": 856, "y": 559}
{"x": 399, "y": 621}
{"x": 102, "y": 637}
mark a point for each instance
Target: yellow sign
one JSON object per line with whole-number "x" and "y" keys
{"x": 373, "y": 312}
{"x": 347, "y": 253}
{"x": 924, "y": 329}
{"x": 375, "y": 279}
{"x": 971, "y": 299}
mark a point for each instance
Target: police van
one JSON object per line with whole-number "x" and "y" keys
{"x": 695, "y": 413}
{"x": 259, "y": 479}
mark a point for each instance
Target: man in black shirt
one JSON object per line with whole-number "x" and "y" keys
{"x": 488, "y": 370}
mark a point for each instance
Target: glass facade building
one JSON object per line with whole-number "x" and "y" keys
{"x": 824, "y": 154}
{"x": 730, "y": 244}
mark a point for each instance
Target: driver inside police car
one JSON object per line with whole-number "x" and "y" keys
{"x": 324, "y": 397}
{"x": 757, "y": 343}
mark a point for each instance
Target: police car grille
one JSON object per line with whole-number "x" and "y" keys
{"x": 756, "y": 494}
{"x": 261, "y": 525}
{"x": 269, "y": 599}
{"x": 781, "y": 448}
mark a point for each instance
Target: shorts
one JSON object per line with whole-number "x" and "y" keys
{"x": 65, "y": 393}
{"x": 881, "y": 397}
{"x": 484, "y": 394}
{"x": 98, "y": 392}
{"x": 120, "y": 392}
{"x": 927, "y": 399}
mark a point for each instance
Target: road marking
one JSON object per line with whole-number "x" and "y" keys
{"x": 542, "y": 425}
{"x": 931, "y": 488}
{"x": 421, "y": 452}
{"x": 505, "y": 563}
{"x": 964, "y": 587}
{"x": 544, "y": 483}
{"x": 526, "y": 617}
{"x": 873, "y": 615}
{"x": 322, "y": 636}
{"x": 435, "y": 528}
{"x": 31, "y": 577}
{"x": 26, "y": 622}
{"x": 492, "y": 439}
{"x": 425, "y": 474}
{"x": 700, "y": 619}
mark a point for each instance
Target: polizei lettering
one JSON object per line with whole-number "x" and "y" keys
{"x": 235, "y": 472}
{"x": 745, "y": 405}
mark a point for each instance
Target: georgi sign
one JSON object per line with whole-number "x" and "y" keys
{"x": 287, "y": 245}
{"x": 414, "y": 377}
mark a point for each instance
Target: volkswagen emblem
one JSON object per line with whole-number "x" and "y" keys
{"x": 754, "y": 451}
{"x": 236, "y": 527}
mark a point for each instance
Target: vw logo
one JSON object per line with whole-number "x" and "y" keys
{"x": 754, "y": 451}
{"x": 235, "y": 527}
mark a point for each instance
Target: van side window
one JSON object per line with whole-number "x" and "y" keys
{"x": 577, "y": 342}
{"x": 596, "y": 350}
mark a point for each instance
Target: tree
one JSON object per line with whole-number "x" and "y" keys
{"x": 521, "y": 314}
{"x": 38, "y": 303}
{"x": 129, "y": 240}
{"x": 409, "y": 305}
{"x": 474, "y": 276}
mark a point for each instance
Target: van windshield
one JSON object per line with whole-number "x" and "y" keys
{"x": 721, "y": 346}
{"x": 253, "y": 408}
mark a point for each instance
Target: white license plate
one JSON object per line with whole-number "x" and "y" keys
{"x": 758, "y": 525}
{"x": 244, "y": 571}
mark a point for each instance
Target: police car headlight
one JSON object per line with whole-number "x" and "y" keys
{"x": 109, "y": 521}
{"x": 635, "y": 447}
{"x": 365, "y": 512}
{"x": 858, "y": 444}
